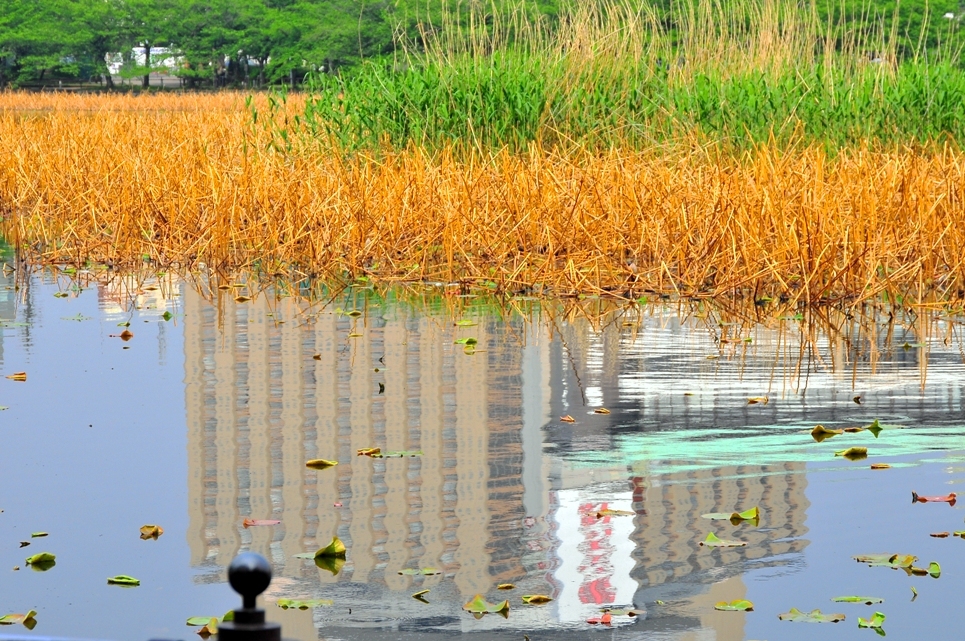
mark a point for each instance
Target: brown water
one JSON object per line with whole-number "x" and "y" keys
{"x": 207, "y": 418}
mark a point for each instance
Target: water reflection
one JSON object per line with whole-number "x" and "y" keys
{"x": 487, "y": 503}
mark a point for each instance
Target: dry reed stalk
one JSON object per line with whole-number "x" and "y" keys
{"x": 186, "y": 180}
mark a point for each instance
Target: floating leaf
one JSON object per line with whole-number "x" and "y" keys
{"x": 199, "y": 621}
{"x": 320, "y": 463}
{"x": 753, "y": 514}
{"x": 875, "y": 428}
{"x": 398, "y": 454}
{"x": 126, "y": 335}
{"x": 506, "y": 586}
{"x": 914, "y": 593}
{"x": 857, "y": 399}
{"x": 151, "y": 532}
{"x": 950, "y": 498}
{"x": 814, "y": 616}
{"x": 876, "y": 621}
{"x": 334, "y": 549}
{"x": 934, "y": 570}
{"x": 247, "y": 523}
{"x": 28, "y": 620}
{"x": 608, "y": 512}
{"x": 853, "y": 453}
{"x": 867, "y": 600}
{"x": 754, "y": 400}
{"x": 123, "y": 579}
{"x": 480, "y": 606}
{"x": 939, "y": 535}
{"x": 209, "y": 629}
{"x": 606, "y": 619}
{"x": 331, "y": 564}
{"x": 713, "y": 542}
{"x": 880, "y": 466}
{"x": 368, "y": 451}
{"x": 465, "y": 323}
{"x": 620, "y": 613}
{"x": 297, "y": 604}
{"x": 420, "y": 595}
{"x": 821, "y": 433}
{"x": 61, "y": 294}
{"x": 242, "y": 299}
{"x": 317, "y": 357}
{"x": 42, "y": 561}
{"x": 18, "y": 376}
{"x": 79, "y": 318}
{"x": 422, "y": 571}
{"x": 37, "y": 535}
{"x": 601, "y": 410}
{"x": 536, "y": 599}
{"x": 354, "y": 313}
{"x": 468, "y": 341}
{"x": 24, "y": 544}
{"x": 740, "y": 605}
{"x": 887, "y": 560}
{"x": 167, "y": 316}
{"x": 567, "y": 419}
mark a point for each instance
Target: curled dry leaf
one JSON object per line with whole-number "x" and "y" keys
{"x": 247, "y": 523}
{"x": 320, "y": 463}
{"x": 821, "y": 433}
{"x": 949, "y": 498}
{"x": 506, "y": 586}
{"x": 317, "y": 357}
{"x": 24, "y": 544}
{"x": 369, "y": 451}
{"x": 420, "y": 595}
{"x": 536, "y": 599}
{"x": 880, "y": 466}
{"x": 479, "y": 606}
{"x": 758, "y": 400}
{"x": 18, "y": 376}
{"x": 567, "y": 419}
{"x": 151, "y": 532}
{"x": 853, "y": 453}
{"x": 939, "y": 535}
{"x": 608, "y": 512}
{"x": 713, "y": 542}
{"x": 601, "y": 410}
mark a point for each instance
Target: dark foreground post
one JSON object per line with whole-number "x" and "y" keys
{"x": 249, "y": 575}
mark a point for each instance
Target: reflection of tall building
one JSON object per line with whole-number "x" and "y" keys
{"x": 259, "y": 405}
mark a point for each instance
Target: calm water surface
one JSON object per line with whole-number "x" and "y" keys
{"x": 207, "y": 417}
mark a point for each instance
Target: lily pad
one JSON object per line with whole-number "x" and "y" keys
{"x": 934, "y": 570}
{"x": 867, "y": 600}
{"x": 199, "y": 621}
{"x": 894, "y": 561}
{"x": 853, "y": 453}
{"x": 536, "y": 599}
{"x": 713, "y": 542}
{"x": 320, "y": 464}
{"x": 28, "y": 620}
{"x": 297, "y": 604}
{"x": 479, "y": 606}
{"x": 422, "y": 571}
{"x": 123, "y": 579}
{"x": 821, "y": 433}
{"x": 876, "y": 621}
{"x": 740, "y": 605}
{"x": 151, "y": 532}
{"x": 42, "y": 561}
{"x": 467, "y": 341}
{"x": 465, "y": 323}
{"x": 753, "y": 514}
{"x": 334, "y": 549}
{"x": 814, "y": 616}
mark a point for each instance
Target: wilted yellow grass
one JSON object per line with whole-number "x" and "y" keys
{"x": 188, "y": 179}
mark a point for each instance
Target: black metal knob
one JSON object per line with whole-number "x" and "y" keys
{"x": 249, "y": 575}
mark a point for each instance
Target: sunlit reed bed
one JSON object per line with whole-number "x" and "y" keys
{"x": 124, "y": 180}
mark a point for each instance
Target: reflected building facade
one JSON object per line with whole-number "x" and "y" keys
{"x": 271, "y": 384}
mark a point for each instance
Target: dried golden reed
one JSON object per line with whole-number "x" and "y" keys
{"x": 188, "y": 179}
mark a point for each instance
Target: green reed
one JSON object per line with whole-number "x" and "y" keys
{"x": 737, "y": 73}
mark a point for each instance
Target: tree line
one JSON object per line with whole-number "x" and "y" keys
{"x": 259, "y": 42}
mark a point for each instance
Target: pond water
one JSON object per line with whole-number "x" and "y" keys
{"x": 208, "y": 414}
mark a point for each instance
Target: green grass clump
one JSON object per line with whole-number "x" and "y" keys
{"x": 737, "y": 74}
